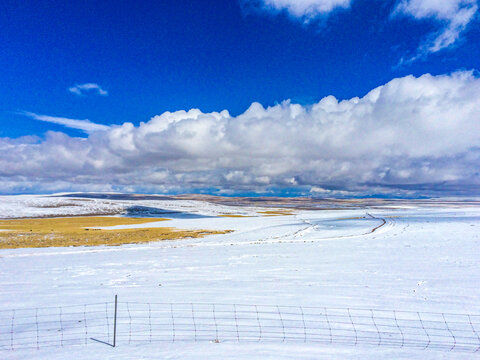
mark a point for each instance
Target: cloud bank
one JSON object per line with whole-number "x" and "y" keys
{"x": 83, "y": 89}
{"x": 411, "y": 135}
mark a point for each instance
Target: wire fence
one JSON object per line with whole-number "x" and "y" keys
{"x": 135, "y": 323}
{"x": 55, "y": 326}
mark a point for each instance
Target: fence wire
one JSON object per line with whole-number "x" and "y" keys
{"x": 191, "y": 322}
{"x": 55, "y": 326}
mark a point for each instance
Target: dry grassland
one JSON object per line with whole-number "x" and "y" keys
{"x": 276, "y": 212}
{"x": 73, "y": 231}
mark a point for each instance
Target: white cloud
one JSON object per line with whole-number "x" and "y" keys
{"x": 89, "y": 87}
{"x": 84, "y": 125}
{"x": 411, "y": 134}
{"x": 453, "y": 16}
{"x": 303, "y": 8}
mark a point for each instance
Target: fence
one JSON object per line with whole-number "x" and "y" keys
{"x": 173, "y": 322}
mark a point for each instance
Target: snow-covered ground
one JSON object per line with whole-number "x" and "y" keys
{"x": 421, "y": 259}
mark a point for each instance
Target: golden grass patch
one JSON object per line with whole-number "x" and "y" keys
{"x": 276, "y": 212}
{"x": 73, "y": 231}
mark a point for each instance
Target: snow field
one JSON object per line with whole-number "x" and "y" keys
{"x": 422, "y": 260}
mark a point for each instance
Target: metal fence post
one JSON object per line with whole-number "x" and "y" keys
{"x": 115, "y": 323}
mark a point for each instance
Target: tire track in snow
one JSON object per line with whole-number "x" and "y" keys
{"x": 379, "y": 226}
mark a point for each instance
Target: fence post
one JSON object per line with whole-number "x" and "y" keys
{"x": 115, "y": 323}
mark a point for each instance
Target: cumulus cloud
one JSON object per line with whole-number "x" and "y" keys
{"x": 84, "y": 125}
{"x": 89, "y": 87}
{"x": 411, "y": 134}
{"x": 453, "y": 16}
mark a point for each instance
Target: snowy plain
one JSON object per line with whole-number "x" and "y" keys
{"x": 419, "y": 259}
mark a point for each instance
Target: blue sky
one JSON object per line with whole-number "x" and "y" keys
{"x": 116, "y": 63}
